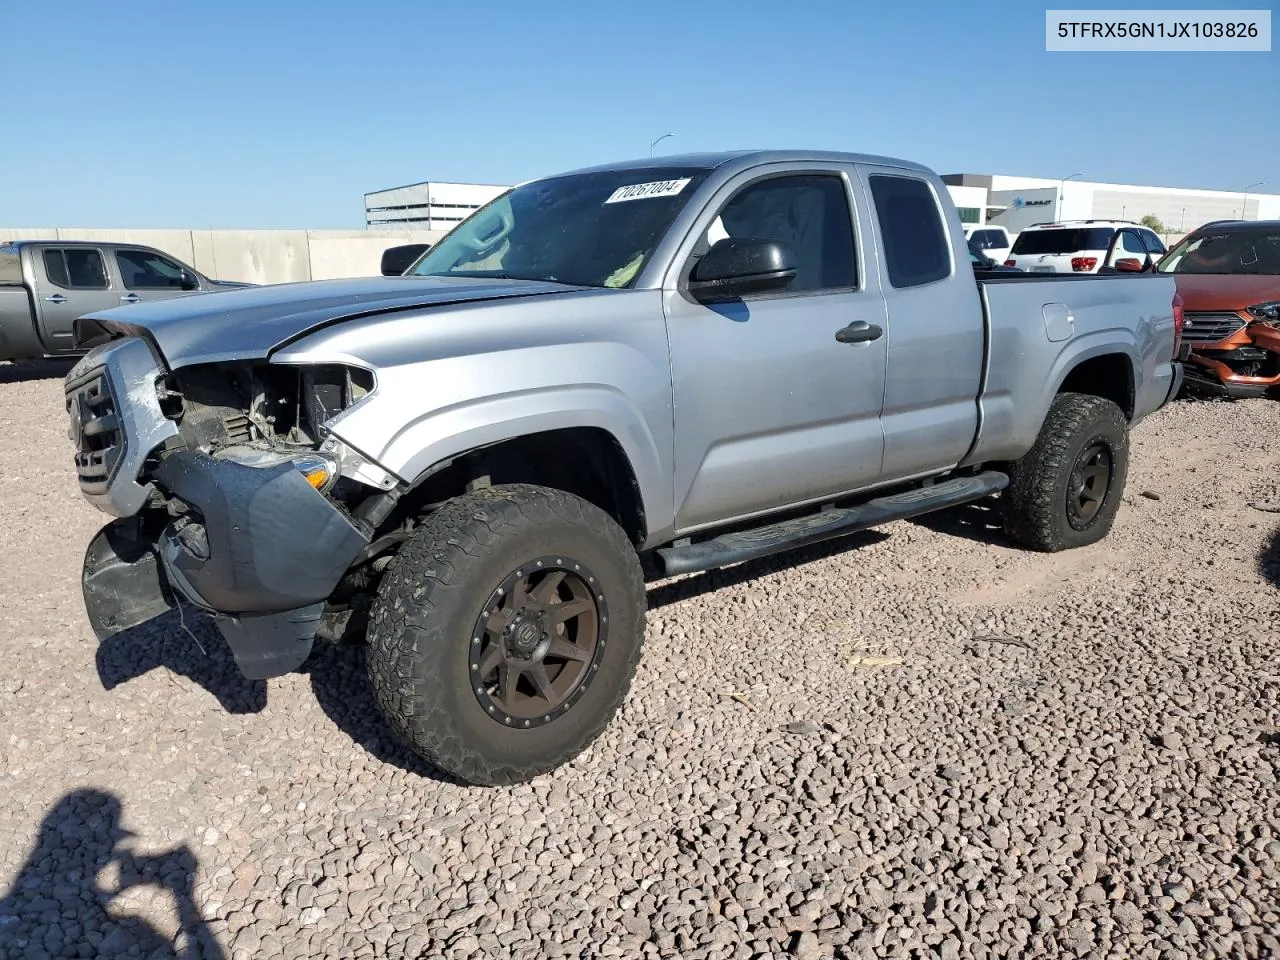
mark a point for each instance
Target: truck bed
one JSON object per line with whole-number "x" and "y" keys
{"x": 18, "y": 336}
{"x": 1121, "y": 318}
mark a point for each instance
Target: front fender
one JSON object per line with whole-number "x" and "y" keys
{"x": 434, "y": 436}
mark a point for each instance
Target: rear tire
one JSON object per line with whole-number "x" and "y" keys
{"x": 489, "y": 585}
{"x": 1065, "y": 492}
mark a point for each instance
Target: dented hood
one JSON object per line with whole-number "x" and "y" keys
{"x": 251, "y": 323}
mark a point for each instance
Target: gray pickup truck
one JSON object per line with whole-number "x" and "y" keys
{"x": 626, "y": 372}
{"x": 46, "y": 284}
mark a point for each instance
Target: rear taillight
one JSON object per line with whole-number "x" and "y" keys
{"x": 1083, "y": 264}
{"x": 1011, "y": 263}
{"x": 1179, "y": 320}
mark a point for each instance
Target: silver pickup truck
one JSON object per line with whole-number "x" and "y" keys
{"x": 46, "y": 284}
{"x": 637, "y": 370}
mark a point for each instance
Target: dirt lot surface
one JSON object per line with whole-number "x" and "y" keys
{"x": 919, "y": 743}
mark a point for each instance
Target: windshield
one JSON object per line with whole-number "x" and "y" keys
{"x": 588, "y": 229}
{"x": 1066, "y": 240}
{"x": 1222, "y": 251}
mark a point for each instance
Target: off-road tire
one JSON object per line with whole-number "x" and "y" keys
{"x": 426, "y": 611}
{"x": 1036, "y": 511}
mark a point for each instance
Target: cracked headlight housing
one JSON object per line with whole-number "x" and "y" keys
{"x": 1268, "y": 312}
{"x": 320, "y": 471}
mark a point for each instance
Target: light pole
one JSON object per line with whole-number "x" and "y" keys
{"x": 1062, "y": 184}
{"x": 1244, "y": 207}
{"x": 659, "y": 140}
{"x": 1182, "y": 225}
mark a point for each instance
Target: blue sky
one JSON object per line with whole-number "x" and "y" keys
{"x": 247, "y": 113}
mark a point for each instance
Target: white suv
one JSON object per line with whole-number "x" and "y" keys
{"x": 1082, "y": 246}
{"x": 993, "y": 242}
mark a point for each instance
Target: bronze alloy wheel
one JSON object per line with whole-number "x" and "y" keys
{"x": 506, "y": 632}
{"x": 537, "y": 644}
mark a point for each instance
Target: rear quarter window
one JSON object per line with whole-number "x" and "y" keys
{"x": 1064, "y": 240}
{"x": 916, "y": 248}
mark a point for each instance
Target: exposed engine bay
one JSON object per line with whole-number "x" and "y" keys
{"x": 284, "y": 407}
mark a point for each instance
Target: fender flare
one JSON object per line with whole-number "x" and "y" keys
{"x": 420, "y": 446}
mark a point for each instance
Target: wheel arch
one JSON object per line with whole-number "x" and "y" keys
{"x": 588, "y": 461}
{"x": 593, "y": 423}
{"x": 1107, "y": 373}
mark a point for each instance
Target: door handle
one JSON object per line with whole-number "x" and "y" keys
{"x": 56, "y": 298}
{"x": 130, "y": 298}
{"x": 859, "y": 332}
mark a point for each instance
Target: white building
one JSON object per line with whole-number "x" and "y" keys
{"x": 1018, "y": 202}
{"x": 971, "y": 202}
{"x": 1010, "y": 202}
{"x": 427, "y": 206}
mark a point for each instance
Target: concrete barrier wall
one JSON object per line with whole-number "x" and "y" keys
{"x": 255, "y": 256}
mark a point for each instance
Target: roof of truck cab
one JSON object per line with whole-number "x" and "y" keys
{"x": 709, "y": 161}
{"x": 72, "y": 243}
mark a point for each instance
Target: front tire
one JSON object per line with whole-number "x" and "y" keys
{"x": 506, "y": 632}
{"x": 1065, "y": 492}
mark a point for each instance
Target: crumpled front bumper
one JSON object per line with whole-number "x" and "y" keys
{"x": 260, "y": 551}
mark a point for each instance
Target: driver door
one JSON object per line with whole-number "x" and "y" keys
{"x": 771, "y": 410}
{"x": 148, "y": 275}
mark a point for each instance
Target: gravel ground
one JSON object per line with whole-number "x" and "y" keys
{"x": 920, "y": 744}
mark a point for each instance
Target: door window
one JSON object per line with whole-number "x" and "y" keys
{"x": 991, "y": 239}
{"x": 1133, "y": 244}
{"x": 809, "y": 213}
{"x": 144, "y": 270}
{"x": 75, "y": 268}
{"x": 916, "y": 248}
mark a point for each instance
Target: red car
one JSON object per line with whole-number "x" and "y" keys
{"x": 1228, "y": 275}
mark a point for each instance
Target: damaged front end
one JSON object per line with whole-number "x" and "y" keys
{"x": 1237, "y": 354}
{"x": 230, "y": 493}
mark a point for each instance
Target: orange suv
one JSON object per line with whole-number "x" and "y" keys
{"x": 1228, "y": 275}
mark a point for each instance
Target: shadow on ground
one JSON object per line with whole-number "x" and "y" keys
{"x": 191, "y": 646}
{"x": 980, "y": 521}
{"x": 187, "y": 643}
{"x": 64, "y": 900}
{"x": 337, "y": 671}
{"x": 342, "y": 689}
{"x": 703, "y": 583}
{"x": 21, "y": 371}
{"x": 1269, "y": 560}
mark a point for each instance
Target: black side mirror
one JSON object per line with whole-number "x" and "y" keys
{"x": 734, "y": 267}
{"x": 396, "y": 260}
{"x": 189, "y": 281}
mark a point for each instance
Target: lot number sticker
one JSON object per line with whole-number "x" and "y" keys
{"x": 638, "y": 191}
